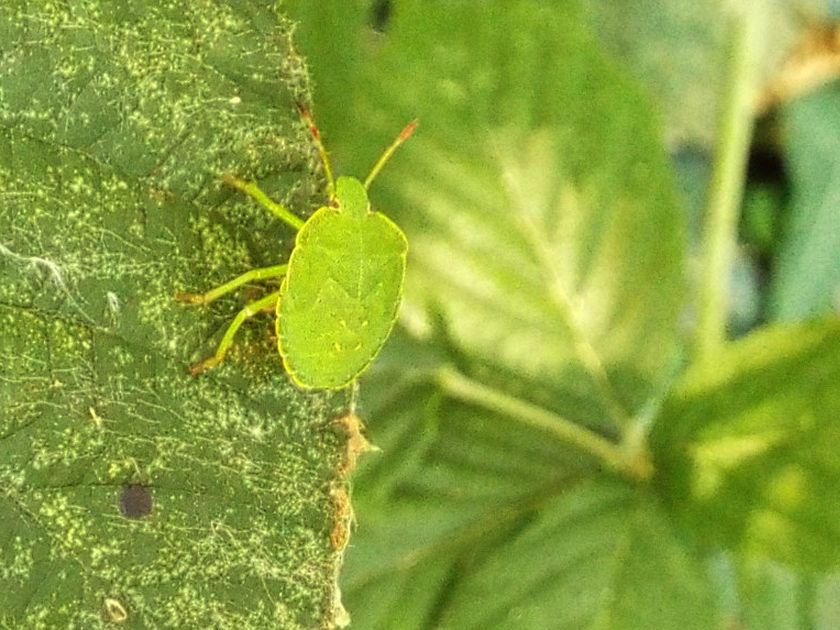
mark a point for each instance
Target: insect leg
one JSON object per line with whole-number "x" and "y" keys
{"x": 246, "y": 313}
{"x": 263, "y": 273}
{"x": 254, "y": 192}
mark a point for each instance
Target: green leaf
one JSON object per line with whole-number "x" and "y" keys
{"x": 615, "y": 556}
{"x": 333, "y": 37}
{"x": 116, "y": 122}
{"x": 467, "y": 519}
{"x": 807, "y": 272}
{"x": 747, "y": 448}
{"x": 546, "y": 244}
{"x": 416, "y": 545}
{"x": 540, "y": 232}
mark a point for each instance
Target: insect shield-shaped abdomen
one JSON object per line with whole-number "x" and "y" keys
{"x": 339, "y": 299}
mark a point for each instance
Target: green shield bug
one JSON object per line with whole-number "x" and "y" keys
{"x": 341, "y": 288}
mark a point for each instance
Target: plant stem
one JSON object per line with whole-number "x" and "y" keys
{"x": 619, "y": 459}
{"x": 727, "y": 188}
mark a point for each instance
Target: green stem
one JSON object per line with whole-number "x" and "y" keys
{"x": 725, "y": 195}
{"x": 619, "y": 459}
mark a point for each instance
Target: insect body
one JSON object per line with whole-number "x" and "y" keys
{"x": 341, "y": 288}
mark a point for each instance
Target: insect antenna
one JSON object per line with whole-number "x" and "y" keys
{"x": 405, "y": 134}
{"x": 316, "y": 137}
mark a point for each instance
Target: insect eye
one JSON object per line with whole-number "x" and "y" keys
{"x": 135, "y": 501}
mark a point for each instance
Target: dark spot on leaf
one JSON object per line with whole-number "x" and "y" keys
{"x": 136, "y": 501}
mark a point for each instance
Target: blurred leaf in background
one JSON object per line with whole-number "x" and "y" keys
{"x": 678, "y": 52}
{"x": 546, "y": 249}
{"x": 807, "y": 279}
{"x": 751, "y": 442}
{"x": 547, "y": 273}
{"x": 503, "y": 256}
{"x": 132, "y": 493}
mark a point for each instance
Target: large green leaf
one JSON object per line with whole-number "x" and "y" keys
{"x": 447, "y": 477}
{"x": 550, "y": 243}
{"x": 468, "y": 519}
{"x": 747, "y": 448}
{"x": 545, "y": 258}
{"x": 807, "y": 271}
{"x": 129, "y": 488}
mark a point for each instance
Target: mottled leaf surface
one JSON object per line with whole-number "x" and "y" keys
{"x": 130, "y": 492}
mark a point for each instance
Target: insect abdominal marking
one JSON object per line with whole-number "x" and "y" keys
{"x": 341, "y": 287}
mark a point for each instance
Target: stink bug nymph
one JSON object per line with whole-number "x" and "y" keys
{"x": 341, "y": 288}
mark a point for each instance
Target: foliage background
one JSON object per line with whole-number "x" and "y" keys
{"x": 556, "y": 199}
{"x": 556, "y": 449}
